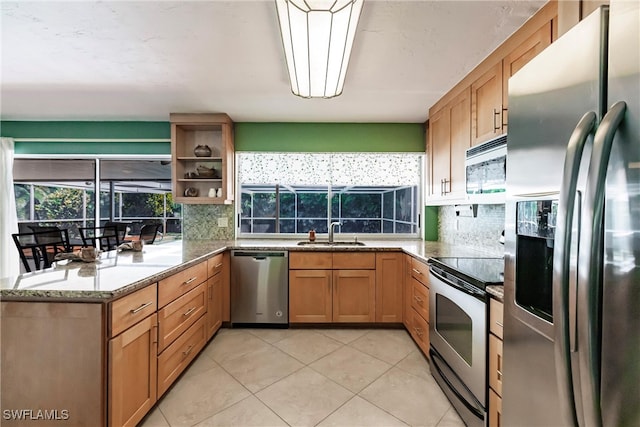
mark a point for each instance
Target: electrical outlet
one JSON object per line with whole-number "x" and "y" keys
{"x": 223, "y": 222}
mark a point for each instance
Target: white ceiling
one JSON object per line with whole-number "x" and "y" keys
{"x": 141, "y": 60}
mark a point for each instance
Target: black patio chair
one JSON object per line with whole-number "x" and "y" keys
{"x": 106, "y": 237}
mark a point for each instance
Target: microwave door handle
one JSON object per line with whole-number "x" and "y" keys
{"x": 563, "y": 336}
{"x": 591, "y": 264}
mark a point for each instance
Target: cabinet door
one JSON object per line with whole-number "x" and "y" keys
{"x": 495, "y": 364}
{"x": 460, "y": 139}
{"x": 439, "y": 153}
{"x": 406, "y": 284}
{"x": 486, "y": 105}
{"x": 310, "y": 296}
{"x": 389, "y": 278}
{"x": 354, "y": 295}
{"x": 214, "y": 304}
{"x": 518, "y": 58}
{"x": 495, "y": 409}
{"x": 133, "y": 373}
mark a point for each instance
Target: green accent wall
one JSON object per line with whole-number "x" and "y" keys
{"x": 431, "y": 223}
{"x": 330, "y": 137}
{"x": 124, "y": 137}
{"x": 271, "y": 137}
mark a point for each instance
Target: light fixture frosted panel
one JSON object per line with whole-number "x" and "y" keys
{"x": 317, "y": 37}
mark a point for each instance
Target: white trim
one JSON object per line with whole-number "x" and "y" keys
{"x": 92, "y": 139}
{"x": 94, "y": 156}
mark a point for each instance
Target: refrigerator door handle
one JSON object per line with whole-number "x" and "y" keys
{"x": 590, "y": 265}
{"x": 563, "y": 336}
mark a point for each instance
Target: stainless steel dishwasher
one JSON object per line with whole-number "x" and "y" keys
{"x": 259, "y": 287}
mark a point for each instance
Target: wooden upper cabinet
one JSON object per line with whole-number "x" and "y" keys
{"x": 439, "y": 152}
{"x": 449, "y": 138}
{"x": 194, "y": 176}
{"x": 518, "y": 58}
{"x": 460, "y": 135}
{"x": 486, "y": 105}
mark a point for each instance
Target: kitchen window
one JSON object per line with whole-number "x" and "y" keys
{"x": 293, "y": 193}
{"x": 61, "y": 192}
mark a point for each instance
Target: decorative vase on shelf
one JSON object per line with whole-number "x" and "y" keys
{"x": 202, "y": 151}
{"x": 212, "y": 192}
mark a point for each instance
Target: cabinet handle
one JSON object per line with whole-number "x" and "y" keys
{"x": 418, "y": 299}
{"x": 142, "y": 307}
{"x": 189, "y": 281}
{"x": 499, "y": 374}
{"x": 210, "y": 292}
{"x": 188, "y": 312}
{"x": 499, "y": 324}
{"x": 415, "y": 270}
{"x": 418, "y": 332}
{"x": 187, "y": 351}
{"x": 445, "y": 181}
{"x": 154, "y": 333}
{"x": 504, "y": 110}
{"x": 218, "y": 265}
{"x": 496, "y": 113}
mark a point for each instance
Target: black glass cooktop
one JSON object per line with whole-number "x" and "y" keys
{"x": 480, "y": 271}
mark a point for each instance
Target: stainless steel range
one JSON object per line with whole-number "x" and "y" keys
{"x": 458, "y": 330}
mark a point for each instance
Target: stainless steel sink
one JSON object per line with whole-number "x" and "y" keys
{"x": 316, "y": 243}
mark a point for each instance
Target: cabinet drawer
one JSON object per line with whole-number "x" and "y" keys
{"x": 177, "y": 316}
{"x": 420, "y": 332}
{"x": 495, "y": 364}
{"x": 495, "y": 409}
{"x": 420, "y": 271}
{"x": 180, "y": 283}
{"x": 129, "y": 310}
{"x": 214, "y": 265}
{"x": 310, "y": 260}
{"x": 354, "y": 260}
{"x": 496, "y": 315}
{"x": 420, "y": 298}
{"x": 178, "y": 355}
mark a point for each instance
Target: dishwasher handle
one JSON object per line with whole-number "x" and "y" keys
{"x": 260, "y": 255}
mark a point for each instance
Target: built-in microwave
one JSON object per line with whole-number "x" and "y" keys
{"x": 486, "y": 170}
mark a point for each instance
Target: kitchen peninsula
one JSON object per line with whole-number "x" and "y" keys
{"x": 70, "y": 333}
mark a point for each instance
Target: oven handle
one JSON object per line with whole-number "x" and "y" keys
{"x": 474, "y": 292}
{"x": 434, "y": 358}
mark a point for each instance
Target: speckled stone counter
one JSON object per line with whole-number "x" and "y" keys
{"x": 119, "y": 273}
{"x": 496, "y": 292}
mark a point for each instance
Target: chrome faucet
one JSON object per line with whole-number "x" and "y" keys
{"x": 331, "y": 230}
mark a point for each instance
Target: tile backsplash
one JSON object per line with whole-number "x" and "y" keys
{"x": 200, "y": 222}
{"x": 481, "y": 232}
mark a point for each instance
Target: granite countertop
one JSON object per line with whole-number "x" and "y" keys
{"x": 119, "y": 273}
{"x": 496, "y": 291}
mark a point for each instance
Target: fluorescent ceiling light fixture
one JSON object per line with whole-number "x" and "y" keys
{"x": 317, "y": 36}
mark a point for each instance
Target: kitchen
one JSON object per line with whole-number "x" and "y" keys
{"x": 446, "y": 190}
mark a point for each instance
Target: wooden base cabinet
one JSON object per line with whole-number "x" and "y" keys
{"x": 389, "y": 287}
{"x": 495, "y": 409}
{"x": 133, "y": 373}
{"x": 310, "y": 296}
{"x": 346, "y": 287}
{"x": 214, "y": 304}
{"x": 179, "y": 355}
{"x": 495, "y": 362}
{"x": 354, "y": 296}
{"x": 418, "y": 304}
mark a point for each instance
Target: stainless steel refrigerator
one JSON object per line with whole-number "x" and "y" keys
{"x": 572, "y": 249}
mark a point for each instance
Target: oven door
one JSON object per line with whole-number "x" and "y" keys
{"x": 458, "y": 332}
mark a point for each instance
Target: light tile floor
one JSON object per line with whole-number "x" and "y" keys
{"x": 306, "y": 377}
